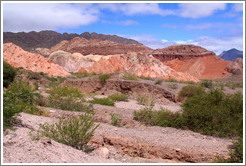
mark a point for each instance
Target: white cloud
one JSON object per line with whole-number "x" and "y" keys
{"x": 35, "y": 17}
{"x": 127, "y": 22}
{"x": 137, "y": 9}
{"x": 238, "y": 7}
{"x": 197, "y": 10}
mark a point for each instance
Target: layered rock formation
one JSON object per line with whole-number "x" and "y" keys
{"x": 17, "y": 57}
{"x": 97, "y": 47}
{"x": 142, "y": 65}
{"x": 194, "y": 60}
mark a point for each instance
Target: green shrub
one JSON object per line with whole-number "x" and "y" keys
{"x": 214, "y": 113}
{"x": 172, "y": 86}
{"x": 65, "y": 91}
{"x": 128, "y": 76}
{"x": 83, "y": 74}
{"x": 73, "y": 131}
{"x": 34, "y": 75}
{"x": 158, "y": 82}
{"x": 160, "y": 117}
{"x": 190, "y": 90}
{"x": 234, "y": 85}
{"x": 118, "y": 97}
{"x": 146, "y": 78}
{"x": 103, "y": 78}
{"x": 115, "y": 119}
{"x": 17, "y": 98}
{"x": 102, "y": 101}
{"x": 68, "y": 103}
{"x": 211, "y": 113}
{"x": 207, "y": 84}
{"x": 145, "y": 99}
{"x": 9, "y": 74}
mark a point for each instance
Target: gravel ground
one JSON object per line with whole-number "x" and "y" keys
{"x": 19, "y": 148}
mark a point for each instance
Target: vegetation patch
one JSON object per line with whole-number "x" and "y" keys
{"x": 19, "y": 97}
{"x": 128, "y": 76}
{"x": 189, "y": 91}
{"x": 102, "y": 101}
{"x": 9, "y": 74}
{"x": 118, "y": 97}
{"x": 73, "y": 131}
{"x": 115, "y": 119}
{"x": 83, "y": 74}
{"x": 104, "y": 77}
{"x": 172, "y": 86}
{"x": 145, "y": 99}
{"x": 207, "y": 84}
{"x": 158, "y": 82}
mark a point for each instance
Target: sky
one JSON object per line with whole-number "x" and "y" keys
{"x": 215, "y": 26}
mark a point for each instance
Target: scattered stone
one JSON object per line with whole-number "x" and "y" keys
{"x": 104, "y": 152}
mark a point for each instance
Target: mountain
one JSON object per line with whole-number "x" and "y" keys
{"x": 231, "y": 55}
{"x": 47, "y": 39}
{"x": 195, "y": 60}
{"x": 97, "y": 47}
{"x": 17, "y": 57}
{"x": 142, "y": 65}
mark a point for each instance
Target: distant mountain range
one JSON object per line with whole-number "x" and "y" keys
{"x": 47, "y": 39}
{"x": 231, "y": 54}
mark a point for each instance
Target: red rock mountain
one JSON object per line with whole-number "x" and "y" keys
{"x": 97, "y": 47}
{"x": 17, "y": 57}
{"x": 142, "y": 65}
{"x": 194, "y": 60}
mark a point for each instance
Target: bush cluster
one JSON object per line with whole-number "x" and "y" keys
{"x": 145, "y": 99}
{"x": 158, "y": 82}
{"x": 9, "y": 74}
{"x": 19, "y": 97}
{"x": 189, "y": 91}
{"x": 172, "y": 86}
{"x": 128, "y": 76}
{"x": 104, "y": 77}
{"x": 67, "y": 98}
{"x": 212, "y": 113}
{"x": 115, "y": 119}
{"x": 73, "y": 131}
{"x": 102, "y": 101}
{"x": 118, "y": 97}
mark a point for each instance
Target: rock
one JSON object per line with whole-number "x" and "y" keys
{"x": 104, "y": 152}
{"x": 193, "y": 60}
{"x": 236, "y": 67}
{"x": 46, "y": 141}
{"x": 17, "y": 57}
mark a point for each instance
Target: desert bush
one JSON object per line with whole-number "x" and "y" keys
{"x": 145, "y": 99}
{"x": 118, "y": 97}
{"x": 211, "y": 113}
{"x": 68, "y": 103}
{"x": 19, "y": 97}
{"x": 67, "y": 98}
{"x": 160, "y": 117}
{"x": 179, "y": 81}
{"x": 172, "y": 86}
{"x": 65, "y": 91}
{"x": 104, "y": 77}
{"x": 146, "y": 78}
{"x": 115, "y": 119}
{"x": 128, "y": 76}
{"x": 83, "y": 74}
{"x": 214, "y": 113}
{"x": 73, "y": 131}
{"x": 207, "y": 84}
{"x": 158, "y": 82}
{"x": 9, "y": 74}
{"x": 234, "y": 85}
{"x": 102, "y": 101}
{"x": 189, "y": 91}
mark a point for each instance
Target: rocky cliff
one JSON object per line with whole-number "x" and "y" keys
{"x": 194, "y": 60}
{"x": 97, "y": 47}
{"x": 17, "y": 57}
{"x": 142, "y": 65}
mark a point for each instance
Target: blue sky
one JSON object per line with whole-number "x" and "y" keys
{"x": 215, "y": 26}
